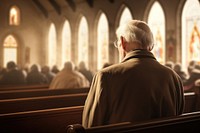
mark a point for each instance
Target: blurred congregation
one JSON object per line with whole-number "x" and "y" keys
{"x": 51, "y": 50}
{"x": 71, "y": 76}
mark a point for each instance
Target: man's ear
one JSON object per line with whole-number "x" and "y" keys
{"x": 123, "y": 41}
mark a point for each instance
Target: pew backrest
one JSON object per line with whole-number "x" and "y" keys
{"x": 41, "y": 121}
{"x": 39, "y": 92}
{"x": 186, "y": 123}
{"x": 22, "y": 87}
{"x": 38, "y": 103}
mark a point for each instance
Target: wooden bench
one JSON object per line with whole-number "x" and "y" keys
{"x": 22, "y": 87}
{"x": 47, "y": 102}
{"x": 39, "y": 92}
{"x": 187, "y": 123}
{"x": 190, "y": 102}
{"x": 41, "y": 121}
{"x": 38, "y": 103}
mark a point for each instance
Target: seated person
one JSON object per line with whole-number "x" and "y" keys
{"x": 12, "y": 76}
{"x": 68, "y": 77}
{"x": 189, "y": 84}
{"x": 180, "y": 72}
{"x": 35, "y": 76}
{"x": 87, "y": 73}
{"x": 137, "y": 89}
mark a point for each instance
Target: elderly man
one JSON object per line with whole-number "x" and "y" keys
{"x": 138, "y": 88}
{"x": 68, "y": 77}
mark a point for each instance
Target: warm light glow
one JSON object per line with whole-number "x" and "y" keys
{"x": 14, "y": 16}
{"x": 52, "y": 46}
{"x": 158, "y": 28}
{"x": 102, "y": 38}
{"x": 126, "y": 16}
{"x": 83, "y": 41}
{"x": 66, "y": 43}
{"x": 190, "y": 35}
{"x": 10, "y": 50}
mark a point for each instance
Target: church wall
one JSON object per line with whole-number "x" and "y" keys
{"x": 33, "y": 30}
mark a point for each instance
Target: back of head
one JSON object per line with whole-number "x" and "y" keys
{"x": 35, "y": 68}
{"x": 169, "y": 64}
{"x": 82, "y": 65}
{"x": 177, "y": 67}
{"x": 11, "y": 65}
{"x": 69, "y": 66}
{"x": 45, "y": 69}
{"x": 137, "y": 31}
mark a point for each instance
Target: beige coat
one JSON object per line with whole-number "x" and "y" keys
{"x": 69, "y": 79}
{"x": 137, "y": 89}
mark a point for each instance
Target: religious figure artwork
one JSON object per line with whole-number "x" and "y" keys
{"x": 14, "y": 16}
{"x": 194, "y": 46}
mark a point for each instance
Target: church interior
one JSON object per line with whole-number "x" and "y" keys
{"x": 39, "y": 34}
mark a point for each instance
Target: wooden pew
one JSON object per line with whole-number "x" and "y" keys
{"x": 39, "y": 92}
{"x": 47, "y": 102}
{"x": 22, "y": 87}
{"x": 187, "y": 123}
{"x": 38, "y": 103}
{"x": 41, "y": 121}
{"x": 190, "y": 102}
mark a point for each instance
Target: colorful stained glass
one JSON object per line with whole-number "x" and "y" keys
{"x": 158, "y": 28}
{"x": 190, "y": 32}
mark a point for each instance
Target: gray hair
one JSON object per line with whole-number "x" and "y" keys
{"x": 137, "y": 31}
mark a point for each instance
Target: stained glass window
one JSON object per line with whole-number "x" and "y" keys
{"x": 10, "y": 49}
{"x": 66, "y": 42}
{"x": 83, "y": 41}
{"x": 102, "y": 38}
{"x": 158, "y": 28}
{"x": 52, "y": 49}
{"x": 14, "y": 16}
{"x": 190, "y": 32}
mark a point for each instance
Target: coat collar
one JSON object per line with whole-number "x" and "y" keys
{"x": 138, "y": 54}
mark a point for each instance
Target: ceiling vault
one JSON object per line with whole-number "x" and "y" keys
{"x": 41, "y": 8}
{"x": 90, "y": 3}
{"x": 55, "y": 6}
{"x": 72, "y": 4}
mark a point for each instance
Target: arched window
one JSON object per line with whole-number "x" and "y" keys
{"x": 102, "y": 40}
{"x": 158, "y": 28}
{"x": 52, "y": 49}
{"x": 14, "y": 16}
{"x": 126, "y": 16}
{"x": 83, "y": 41}
{"x": 10, "y": 50}
{"x": 66, "y": 42}
{"x": 190, "y": 32}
